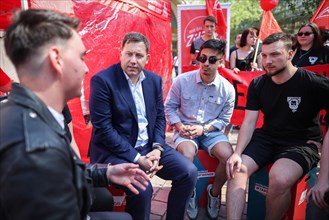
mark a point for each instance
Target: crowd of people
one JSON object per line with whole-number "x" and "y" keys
{"x": 42, "y": 176}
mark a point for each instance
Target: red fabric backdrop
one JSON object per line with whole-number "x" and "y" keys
{"x": 104, "y": 24}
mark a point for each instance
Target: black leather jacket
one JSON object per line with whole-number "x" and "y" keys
{"x": 40, "y": 175}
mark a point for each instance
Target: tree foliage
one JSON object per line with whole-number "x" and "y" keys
{"x": 244, "y": 14}
{"x": 304, "y": 8}
{"x": 290, "y": 14}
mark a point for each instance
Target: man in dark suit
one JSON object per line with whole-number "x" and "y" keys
{"x": 127, "y": 113}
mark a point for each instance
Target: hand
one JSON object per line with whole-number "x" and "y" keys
{"x": 128, "y": 175}
{"x": 254, "y": 66}
{"x": 317, "y": 192}
{"x": 146, "y": 163}
{"x": 183, "y": 130}
{"x": 155, "y": 156}
{"x": 236, "y": 70}
{"x": 318, "y": 144}
{"x": 195, "y": 131}
{"x": 233, "y": 164}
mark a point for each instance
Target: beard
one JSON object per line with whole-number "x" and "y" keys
{"x": 275, "y": 73}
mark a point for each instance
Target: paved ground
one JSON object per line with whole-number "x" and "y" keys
{"x": 162, "y": 188}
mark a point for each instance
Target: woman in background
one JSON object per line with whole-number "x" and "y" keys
{"x": 309, "y": 47}
{"x": 242, "y": 58}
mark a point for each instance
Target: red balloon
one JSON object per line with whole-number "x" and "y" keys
{"x": 268, "y": 5}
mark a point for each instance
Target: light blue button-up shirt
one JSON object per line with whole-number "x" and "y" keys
{"x": 191, "y": 101}
{"x": 137, "y": 93}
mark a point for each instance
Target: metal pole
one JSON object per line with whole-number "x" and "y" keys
{"x": 25, "y": 4}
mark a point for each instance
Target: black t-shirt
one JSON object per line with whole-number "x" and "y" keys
{"x": 290, "y": 109}
{"x": 311, "y": 57}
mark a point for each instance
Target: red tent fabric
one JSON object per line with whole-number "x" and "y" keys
{"x": 321, "y": 16}
{"x": 103, "y": 26}
{"x": 6, "y": 10}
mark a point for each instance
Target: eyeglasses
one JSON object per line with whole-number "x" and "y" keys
{"x": 304, "y": 33}
{"x": 212, "y": 59}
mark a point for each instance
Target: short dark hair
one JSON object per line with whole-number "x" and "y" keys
{"x": 244, "y": 35}
{"x": 32, "y": 29}
{"x": 280, "y": 36}
{"x": 214, "y": 44}
{"x": 210, "y": 18}
{"x": 136, "y": 37}
{"x": 317, "y": 40}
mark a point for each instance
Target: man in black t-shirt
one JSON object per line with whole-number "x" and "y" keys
{"x": 290, "y": 99}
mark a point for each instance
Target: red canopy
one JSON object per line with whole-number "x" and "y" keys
{"x": 6, "y": 10}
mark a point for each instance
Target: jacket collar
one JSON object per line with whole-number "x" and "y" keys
{"x": 25, "y": 97}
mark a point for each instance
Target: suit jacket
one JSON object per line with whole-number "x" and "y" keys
{"x": 114, "y": 116}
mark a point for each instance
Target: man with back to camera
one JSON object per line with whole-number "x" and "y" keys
{"x": 40, "y": 175}
{"x": 126, "y": 109}
{"x": 290, "y": 99}
{"x": 209, "y": 28}
{"x": 199, "y": 105}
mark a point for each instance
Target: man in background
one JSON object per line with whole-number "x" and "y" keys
{"x": 209, "y": 28}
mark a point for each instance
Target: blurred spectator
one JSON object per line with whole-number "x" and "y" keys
{"x": 236, "y": 45}
{"x": 209, "y": 28}
{"x": 242, "y": 58}
{"x": 309, "y": 47}
{"x": 325, "y": 37}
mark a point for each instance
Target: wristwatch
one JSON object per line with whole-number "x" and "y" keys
{"x": 205, "y": 130}
{"x": 158, "y": 147}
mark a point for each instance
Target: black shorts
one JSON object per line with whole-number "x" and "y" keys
{"x": 265, "y": 150}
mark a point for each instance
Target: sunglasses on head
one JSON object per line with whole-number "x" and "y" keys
{"x": 304, "y": 33}
{"x": 211, "y": 59}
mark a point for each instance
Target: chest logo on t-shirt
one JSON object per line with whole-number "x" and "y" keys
{"x": 312, "y": 59}
{"x": 293, "y": 103}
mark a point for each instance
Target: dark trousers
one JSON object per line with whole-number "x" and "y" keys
{"x": 313, "y": 212}
{"x": 176, "y": 168}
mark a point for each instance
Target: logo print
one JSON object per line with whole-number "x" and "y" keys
{"x": 293, "y": 103}
{"x": 312, "y": 60}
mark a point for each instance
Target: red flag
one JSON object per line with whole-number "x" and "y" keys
{"x": 268, "y": 26}
{"x": 321, "y": 16}
{"x": 6, "y": 10}
{"x": 214, "y": 9}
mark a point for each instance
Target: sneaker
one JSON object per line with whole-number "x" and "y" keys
{"x": 192, "y": 209}
{"x": 213, "y": 204}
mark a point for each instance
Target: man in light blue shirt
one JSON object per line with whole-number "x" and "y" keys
{"x": 199, "y": 105}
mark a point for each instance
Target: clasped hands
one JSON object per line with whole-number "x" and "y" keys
{"x": 150, "y": 162}
{"x": 190, "y": 131}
